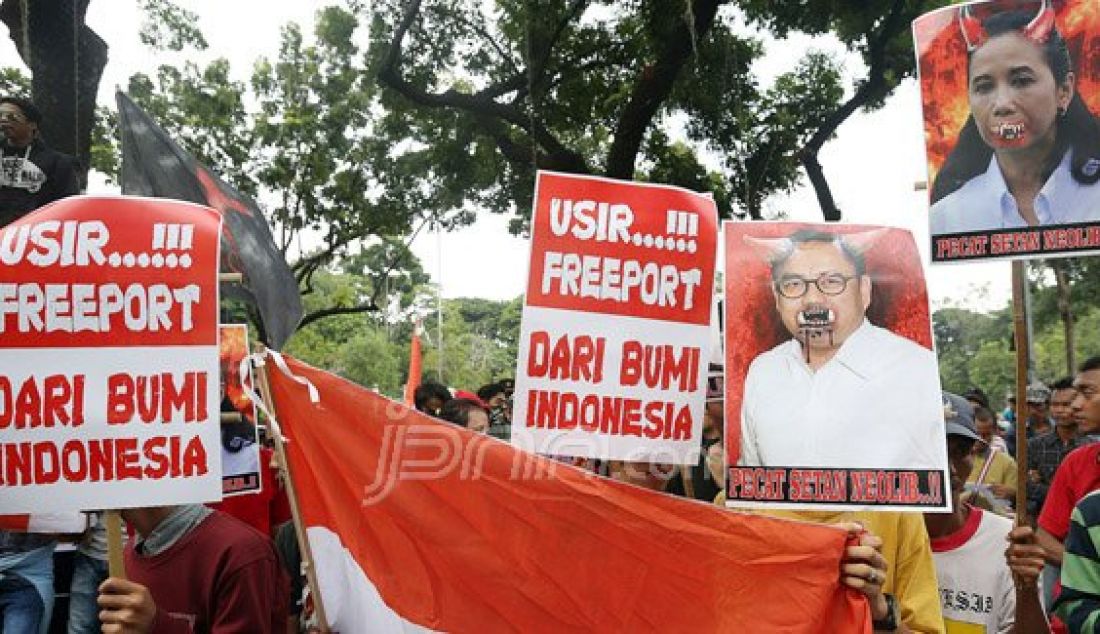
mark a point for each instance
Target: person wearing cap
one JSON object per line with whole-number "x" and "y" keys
{"x": 976, "y": 591}
{"x": 1046, "y": 451}
{"x": 1038, "y": 416}
{"x": 1079, "y": 473}
{"x": 31, "y": 174}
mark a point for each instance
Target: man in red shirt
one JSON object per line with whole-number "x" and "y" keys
{"x": 1079, "y": 473}
{"x": 193, "y": 569}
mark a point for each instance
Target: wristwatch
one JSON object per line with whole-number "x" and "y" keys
{"x": 888, "y": 623}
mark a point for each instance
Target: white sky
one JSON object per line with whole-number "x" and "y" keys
{"x": 872, "y": 164}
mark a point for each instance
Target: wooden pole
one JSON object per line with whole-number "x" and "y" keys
{"x": 291, "y": 494}
{"x": 1019, "y": 318}
{"x": 115, "y": 565}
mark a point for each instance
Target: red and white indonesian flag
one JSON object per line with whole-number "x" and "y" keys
{"x": 416, "y": 524}
{"x": 44, "y": 523}
{"x": 109, "y": 355}
{"x": 615, "y": 337}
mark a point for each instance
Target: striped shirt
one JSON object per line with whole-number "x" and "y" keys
{"x": 1078, "y": 605}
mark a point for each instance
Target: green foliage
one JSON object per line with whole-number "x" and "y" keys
{"x": 168, "y": 27}
{"x": 855, "y": 24}
{"x": 479, "y": 342}
{"x": 575, "y": 76}
{"x": 13, "y": 83}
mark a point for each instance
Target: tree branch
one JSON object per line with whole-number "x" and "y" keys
{"x": 480, "y": 103}
{"x": 653, "y": 86}
{"x": 366, "y": 307}
{"x": 892, "y": 25}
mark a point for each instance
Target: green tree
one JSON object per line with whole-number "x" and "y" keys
{"x": 479, "y": 342}
{"x": 877, "y": 30}
{"x": 307, "y": 149}
{"x": 495, "y": 90}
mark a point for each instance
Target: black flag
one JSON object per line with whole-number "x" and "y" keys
{"x": 154, "y": 165}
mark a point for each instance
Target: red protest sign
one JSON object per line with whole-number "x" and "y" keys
{"x": 109, "y": 355}
{"x": 615, "y": 335}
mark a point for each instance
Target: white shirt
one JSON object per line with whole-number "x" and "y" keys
{"x": 976, "y": 590}
{"x": 984, "y": 202}
{"x": 875, "y": 404}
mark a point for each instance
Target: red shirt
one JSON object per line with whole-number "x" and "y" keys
{"x": 222, "y": 577}
{"x": 264, "y": 509}
{"x": 1076, "y": 477}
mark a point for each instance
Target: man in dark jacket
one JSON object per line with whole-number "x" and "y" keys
{"x": 31, "y": 174}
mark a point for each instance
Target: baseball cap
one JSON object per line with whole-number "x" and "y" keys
{"x": 958, "y": 414}
{"x": 1038, "y": 393}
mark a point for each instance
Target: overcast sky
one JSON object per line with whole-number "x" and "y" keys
{"x": 872, "y": 164}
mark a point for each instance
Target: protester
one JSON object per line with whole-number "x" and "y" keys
{"x": 648, "y": 475}
{"x": 194, "y": 569}
{"x": 1079, "y": 473}
{"x": 495, "y": 397}
{"x": 1027, "y": 153}
{"x": 264, "y": 509}
{"x": 31, "y": 174}
{"x": 1045, "y": 452}
{"x": 466, "y": 410}
{"x": 26, "y": 581}
{"x": 841, "y": 391}
{"x": 977, "y": 397}
{"x": 992, "y": 464}
{"x": 1078, "y": 604}
{"x": 286, "y": 545}
{"x": 430, "y": 397}
{"x": 89, "y": 571}
{"x": 1039, "y": 421}
{"x": 974, "y": 591}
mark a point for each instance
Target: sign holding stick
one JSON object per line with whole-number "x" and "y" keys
{"x": 109, "y": 356}
{"x": 615, "y": 337}
{"x": 304, "y": 547}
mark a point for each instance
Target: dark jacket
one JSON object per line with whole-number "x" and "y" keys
{"x": 29, "y": 181}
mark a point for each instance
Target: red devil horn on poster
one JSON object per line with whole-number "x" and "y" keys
{"x": 769, "y": 249}
{"x": 1038, "y": 30}
{"x": 862, "y": 241}
{"x": 971, "y": 27}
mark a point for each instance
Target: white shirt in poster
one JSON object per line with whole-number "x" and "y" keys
{"x": 875, "y": 404}
{"x": 976, "y": 590}
{"x": 984, "y": 203}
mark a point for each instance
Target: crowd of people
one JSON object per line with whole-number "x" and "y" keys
{"x": 235, "y": 566}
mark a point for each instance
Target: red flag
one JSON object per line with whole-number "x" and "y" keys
{"x": 414, "y": 366}
{"x": 414, "y": 522}
{"x": 74, "y": 522}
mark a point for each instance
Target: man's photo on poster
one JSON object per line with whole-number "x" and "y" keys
{"x": 1009, "y": 98}
{"x": 828, "y": 352}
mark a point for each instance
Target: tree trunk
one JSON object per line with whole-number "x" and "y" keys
{"x": 66, "y": 59}
{"x": 1065, "y": 309}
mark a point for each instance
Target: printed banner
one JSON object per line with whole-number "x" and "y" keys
{"x": 1009, "y": 93}
{"x": 832, "y": 392}
{"x": 241, "y": 470}
{"x": 109, "y": 355}
{"x": 615, "y": 336}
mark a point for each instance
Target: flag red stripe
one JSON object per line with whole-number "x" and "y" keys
{"x": 463, "y": 542}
